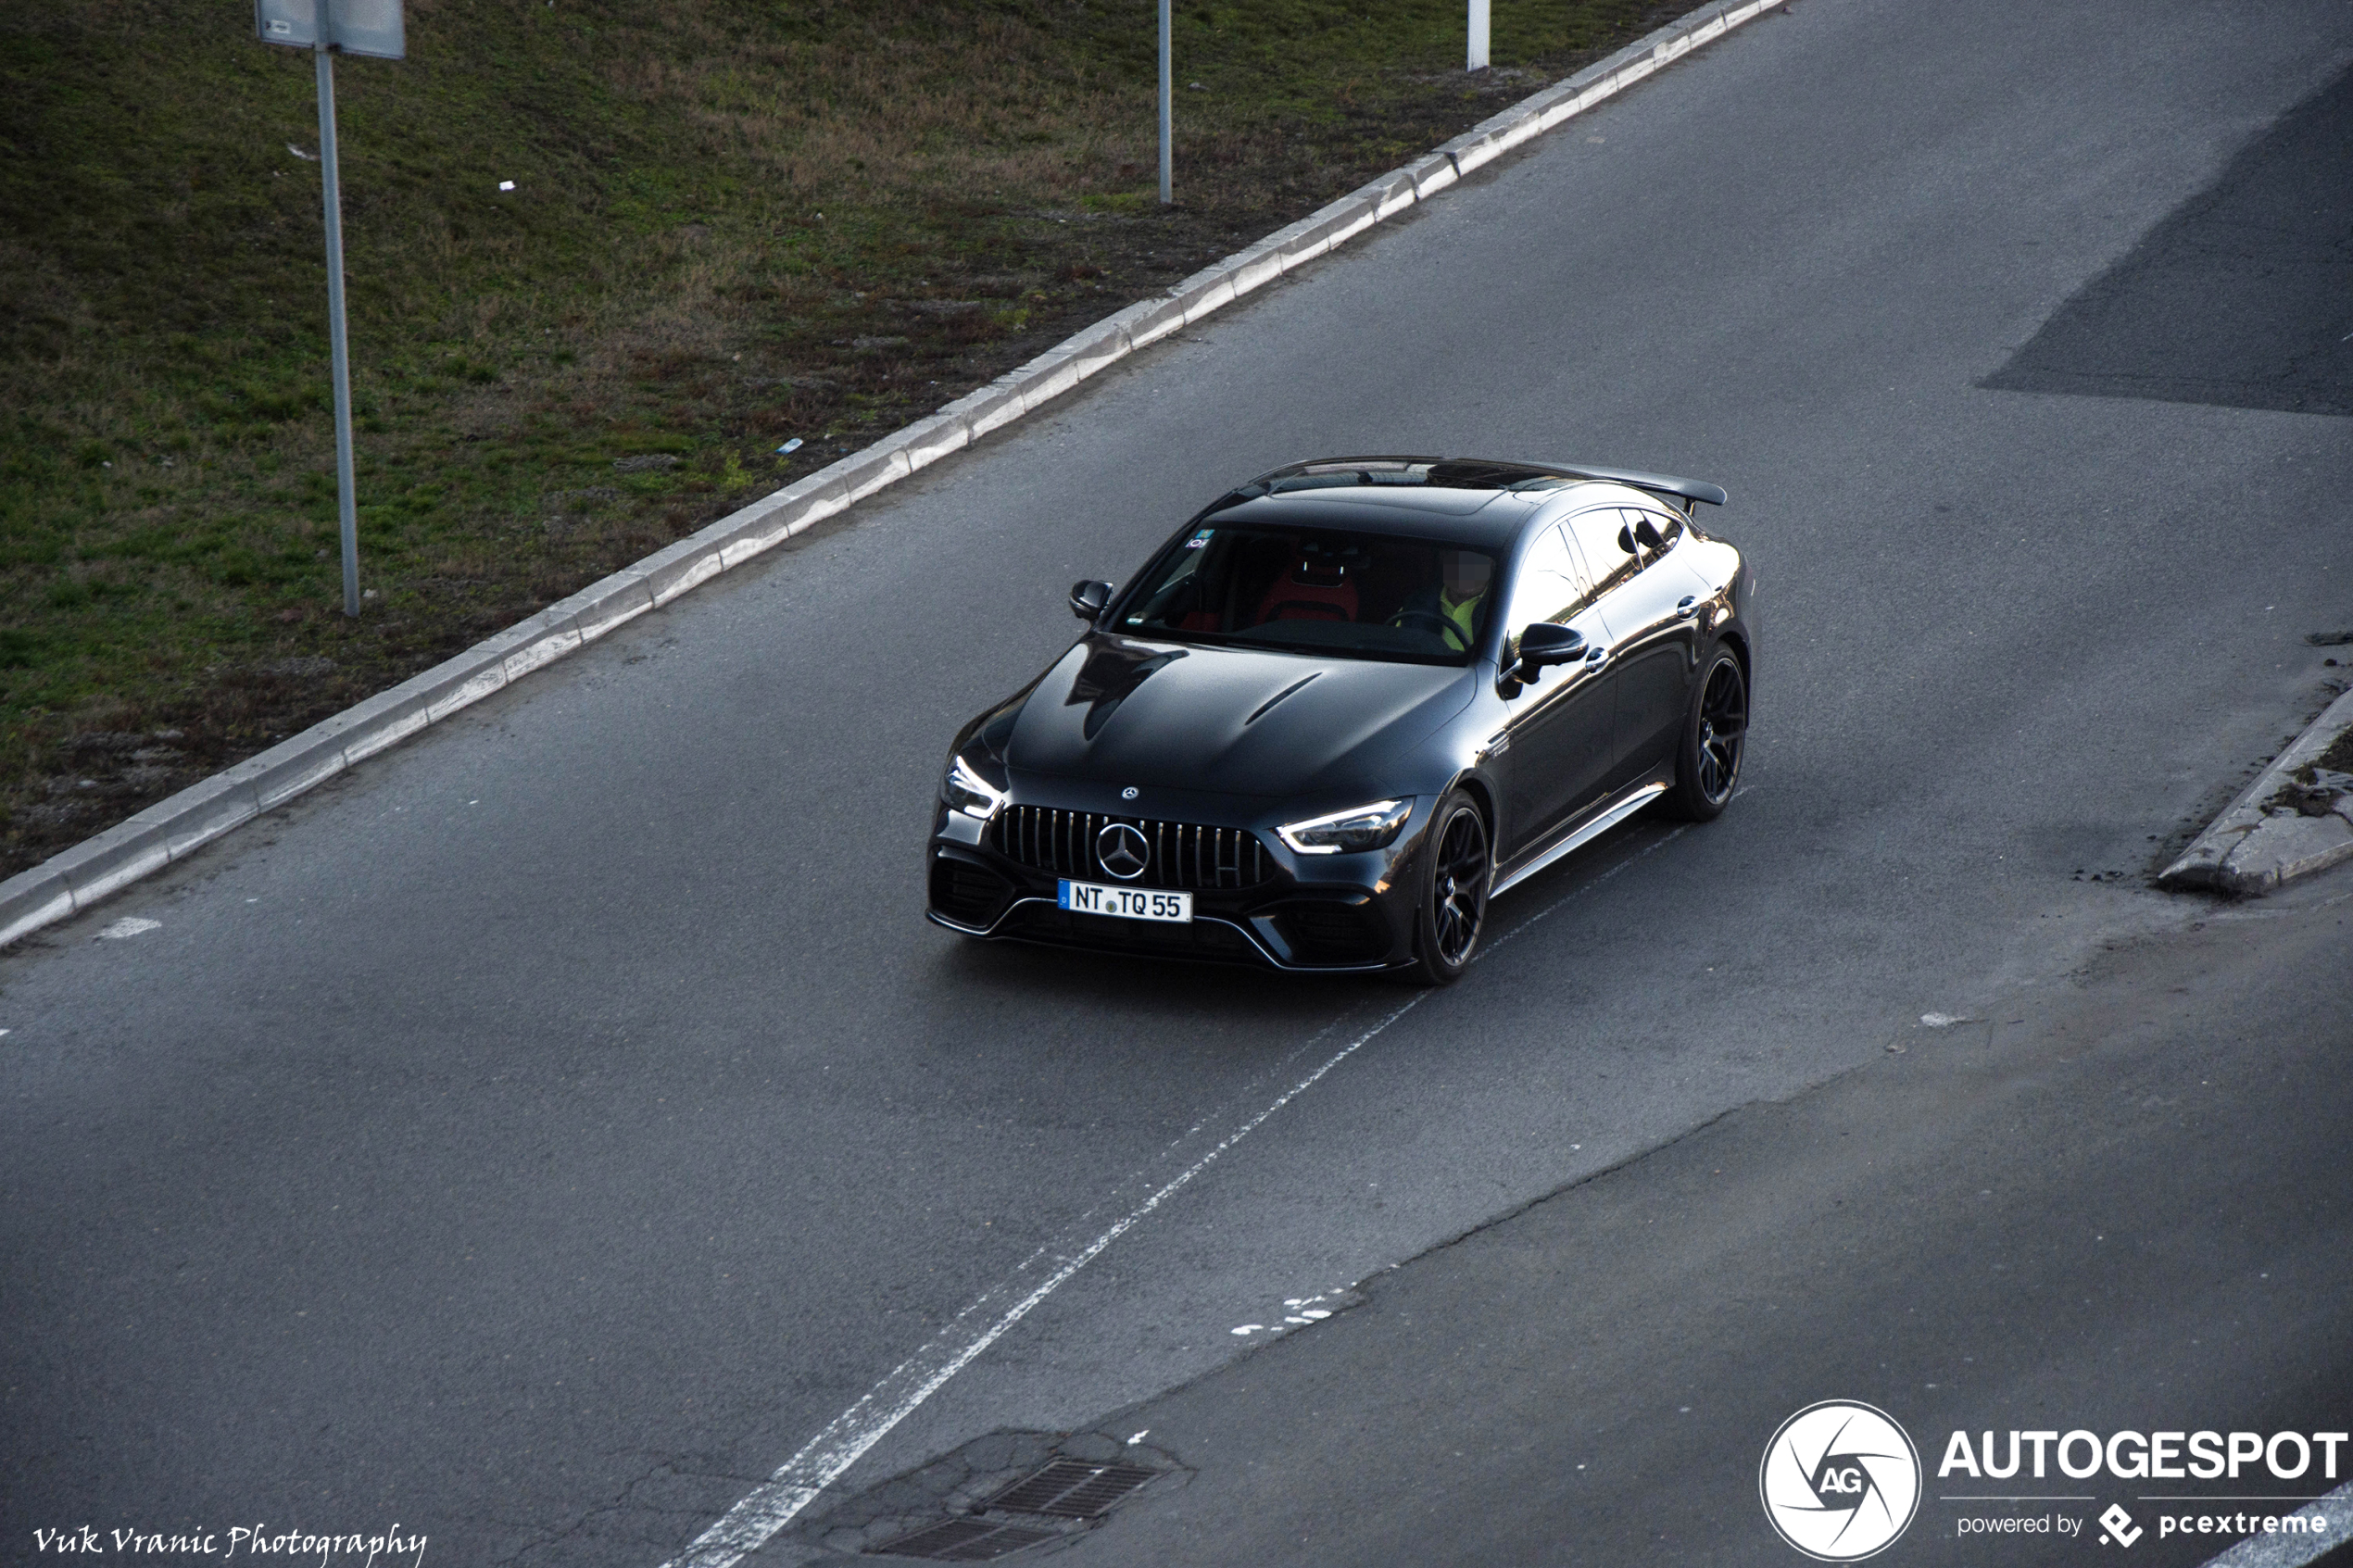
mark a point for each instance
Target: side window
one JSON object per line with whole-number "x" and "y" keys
{"x": 1596, "y": 533}
{"x": 1669, "y": 526}
{"x": 1548, "y": 587}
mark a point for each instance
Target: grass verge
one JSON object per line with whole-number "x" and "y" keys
{"x": 730, "y": 226}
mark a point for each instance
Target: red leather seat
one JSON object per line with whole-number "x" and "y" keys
{"x": 1314, "y": 589}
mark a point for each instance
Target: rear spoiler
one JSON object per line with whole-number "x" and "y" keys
{"x": 1661, "y": 484}
{"x": 1689, "y": 490}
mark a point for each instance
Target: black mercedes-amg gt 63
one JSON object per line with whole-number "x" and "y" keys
{"x": 1348, "y": 704}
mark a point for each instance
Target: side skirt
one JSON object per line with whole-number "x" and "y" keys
{"x": 1625, "y": 807}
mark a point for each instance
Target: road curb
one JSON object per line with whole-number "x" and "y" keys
{"x": 2259, "y": 843}
{"x": 178, "y": 826}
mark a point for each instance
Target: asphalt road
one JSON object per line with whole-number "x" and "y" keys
{"x": 2115, "y": 1205}
{"x": 536, "y": 1136}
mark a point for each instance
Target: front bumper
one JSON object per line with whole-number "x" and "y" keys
{"x": 1265, "y": 905}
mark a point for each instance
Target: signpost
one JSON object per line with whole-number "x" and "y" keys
{"x": 1478, "y": 35}
{"x": 1167, "y": 87}
{"x": 327, "y": 28}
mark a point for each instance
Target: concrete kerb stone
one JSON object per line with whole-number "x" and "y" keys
{"x": 1210, "y": 289}
{"x": 1258, "y": 266}
{"x": 929, "y": 440}
{"x": 1490, "y": 138}
{"x": 67, "y": 882}
{"x": 30, "y": 900}
{"x": 2284, "y": 847}
{"x": 997, "y": 403}
{"x": 293, "y": 767}
{"x": 2255, "y": 845}
{"x": 1390, "y": 195}
{"x": 1097, "y": 348}
{"x": 122, "y": 854}
{"x": 389, "y": 718}
{"x": 537, "y": 640}
{"x": 773, "y": 519}
{"x": 613, "y": 601}
{"x": 1049, "y": 375}
{"x": 864, "y": 473}
{"x": 1148, "y": 321}
{"x": 1468, "y": 150}
{"x": 1342, "y": 222}
{"x": 674, "y": 569}
{"x": 1433, "y": 172}
{"x": 203, "y": 812}
{"x": 1295, "y": 244}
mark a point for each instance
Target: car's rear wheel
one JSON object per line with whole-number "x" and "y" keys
{"x": 1456, "y": 874}
{"x": 1707, "y": 764}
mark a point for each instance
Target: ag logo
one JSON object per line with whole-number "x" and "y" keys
{"x": 1840, "y": 1481}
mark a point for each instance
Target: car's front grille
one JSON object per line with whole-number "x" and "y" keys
{"x": 1179, "y": 853}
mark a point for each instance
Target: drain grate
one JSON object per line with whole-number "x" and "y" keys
{"x": 1071, "y": 1488}
{"x": 962, "y": 1540}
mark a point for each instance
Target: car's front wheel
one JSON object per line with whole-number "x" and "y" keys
{"x": 1457, "y": 871}
{"x": 1707, "y": 764}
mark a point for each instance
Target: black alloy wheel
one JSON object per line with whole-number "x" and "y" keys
{"x": 1707, "y": 765}
{"x": 1454, "y": 904}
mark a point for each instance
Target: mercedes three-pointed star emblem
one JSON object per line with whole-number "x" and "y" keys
{"x": 1120, "y": 849}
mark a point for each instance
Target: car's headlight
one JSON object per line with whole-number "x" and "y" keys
{"x": 969, "y": 793}
{"x": 1366, "y": 827}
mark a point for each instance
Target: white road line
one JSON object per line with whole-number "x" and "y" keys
{"x": 748, "y": 1526}
{"x": 2334, "y": 1512}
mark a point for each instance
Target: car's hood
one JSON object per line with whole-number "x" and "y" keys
{"x": 1227, "y": 720}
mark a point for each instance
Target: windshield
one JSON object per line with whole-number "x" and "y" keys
{"x": 1359, "y": 595}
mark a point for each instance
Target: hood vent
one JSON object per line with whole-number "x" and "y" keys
{"x": 1264, "y": 707}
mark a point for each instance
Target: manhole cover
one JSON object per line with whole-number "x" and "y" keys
{"x": 962, "y": 1540}
{"x": 1071, "y": 1488}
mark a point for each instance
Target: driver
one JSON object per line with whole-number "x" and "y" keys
{"x": 1456, "y": 600}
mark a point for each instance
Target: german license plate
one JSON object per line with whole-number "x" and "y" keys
{"x": 1129, "y": 903}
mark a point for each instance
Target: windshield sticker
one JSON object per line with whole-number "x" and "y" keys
{"x": 1198, "y": 539}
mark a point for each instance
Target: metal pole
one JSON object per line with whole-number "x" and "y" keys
{"x": 335, "y": 330}
{"x": 1478, "y": 35}
{"x": 1167, "y": 87}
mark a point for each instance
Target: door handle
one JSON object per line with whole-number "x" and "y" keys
{"x": 1686, "y": 607}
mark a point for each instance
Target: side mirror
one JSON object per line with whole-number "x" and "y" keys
{"x": 1647, "y": 532}
{"x": 1548, "y": 642}
{"x": 1087, "y": 598}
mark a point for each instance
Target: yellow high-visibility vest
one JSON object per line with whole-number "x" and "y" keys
{"x": 1461, "y": 616}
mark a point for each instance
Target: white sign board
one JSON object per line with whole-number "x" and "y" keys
{"x": 350, "y": 27}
